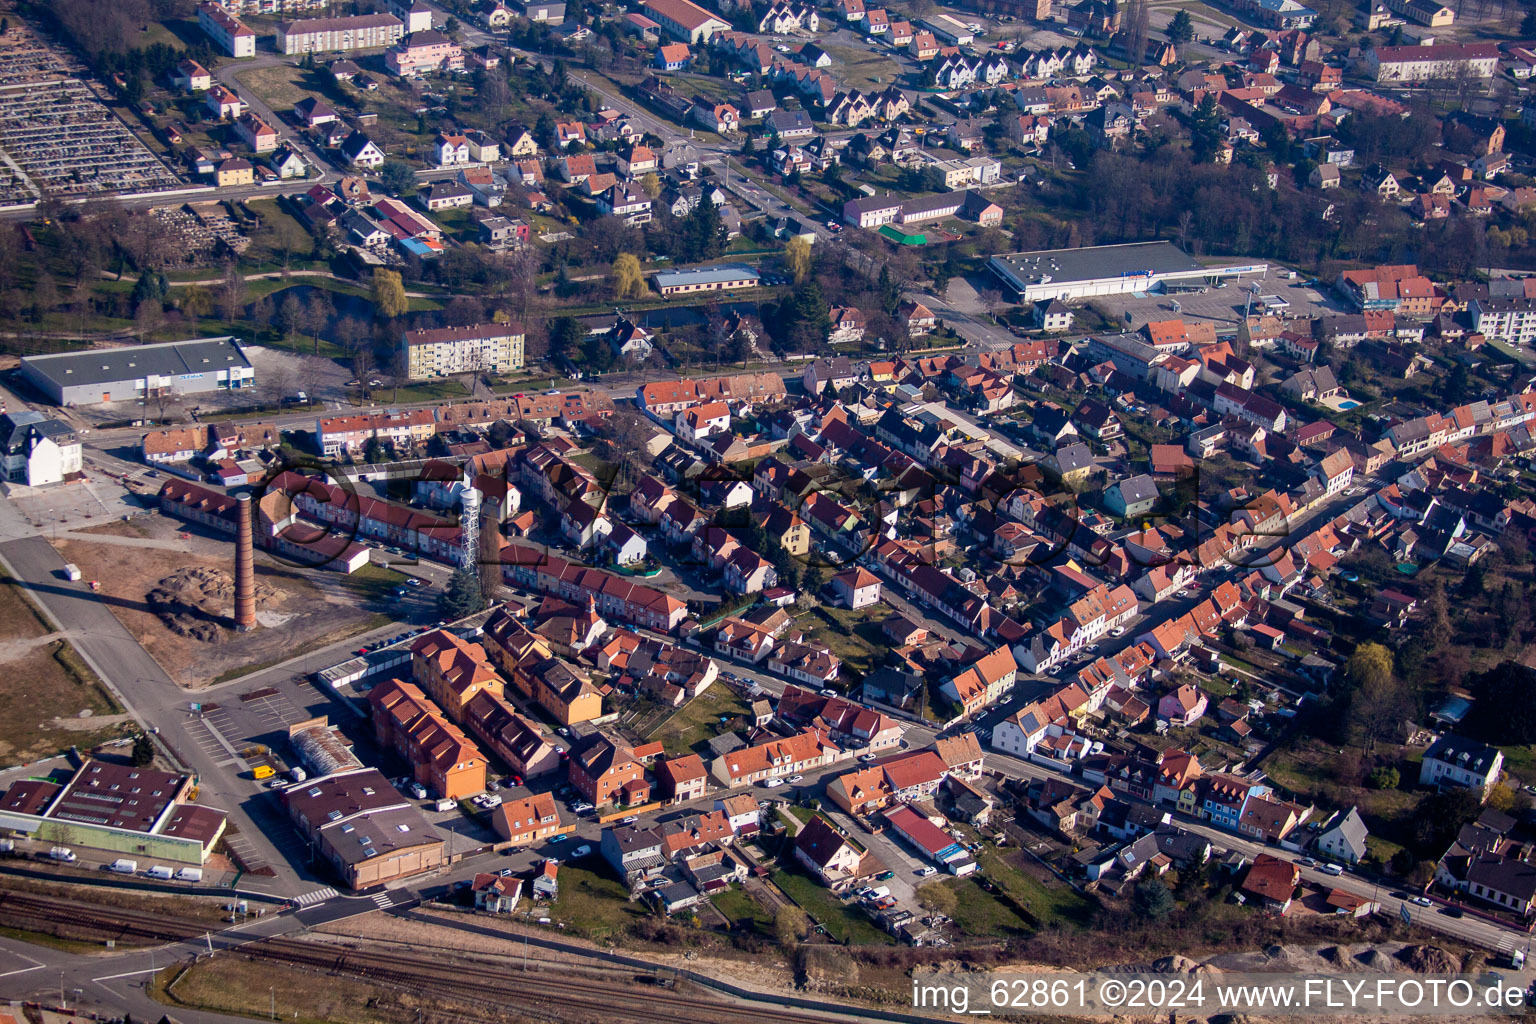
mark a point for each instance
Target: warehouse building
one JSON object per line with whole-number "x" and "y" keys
{"x": 1069, "y": 274}
{"x": 362, "y": 825}
{"x": 117, "y": 809}
{"x": 138, "y": 372}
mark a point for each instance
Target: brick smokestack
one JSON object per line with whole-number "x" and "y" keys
{"x": 245, "y": 567}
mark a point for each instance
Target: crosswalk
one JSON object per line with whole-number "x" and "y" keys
{"x": 383, "y": 900}
{"x": 316, "y": 896}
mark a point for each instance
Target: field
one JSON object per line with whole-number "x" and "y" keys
{"x": 49, "y": 699}
{"x": 692, "y": 725}
{"x": 191, "y": 640}
{"x": 861, "y": 69}
{"x": 842, "y": 923}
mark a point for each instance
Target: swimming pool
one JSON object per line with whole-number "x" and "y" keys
{"x": 1347, "y": 404}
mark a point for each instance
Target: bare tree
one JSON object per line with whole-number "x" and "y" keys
{"x": 232, "y": 293}
{"x": 277, "y": 384}
{"x": 165, "y": 400}
{"x": 363, "y": 365}
{"x": 317, "y": 313}
{"x": 398, "y": 374}
{"x": 310, "y": 375}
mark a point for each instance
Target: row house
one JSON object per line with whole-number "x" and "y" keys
{"x": 775, "y": 758}
{"x": 516, "y": 740}
{"x": 613, "y": 597}
{"x": 849, "y": 725}
{"x": 338, "y": 435}
{"x": 984, "y": 682}
{"x": 442, "y": 758}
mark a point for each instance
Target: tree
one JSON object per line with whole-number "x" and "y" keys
{"x": 1384, "y": 777}
{"x": 318, "y": 311}
{"x": 1380, "y": 701}
{"x": 797, "y": 258}
{"x": 389, "y": 299}
{"x": 1152, "y": 900}
{"x": 143, "y": 750}
{"x": 1205, "y": 129}
{"x": 397, "y": 177}
{"x": 1528, "y": 24}
{"x": 462, "y": 597}
{"x": 231, "y": 293}
{"x": 290, "y": 316}
{"x": 1180, "y": 28}
{"x": 196, "y": 301}
{"x": 628, "y": 278}
{"x": 790, "y": 925}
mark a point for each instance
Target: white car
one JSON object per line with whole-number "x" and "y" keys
{"x": 795, "y": 778}
{"x": 926, "y": 870}
{"x": 629, "y": 820}
{"x": 772, "y": 783}
{"x": 866, "y": 758}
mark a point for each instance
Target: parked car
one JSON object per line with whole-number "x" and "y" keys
{"x": 629, "y": 820}
{"x": 581, "y": 851}
{"x": 1421, "y": 901}
{"x": 418, "y": 791}
{"x": 772, "y": 783}
{"x": 795, "y": 778}
{"x": 926, "y": 870}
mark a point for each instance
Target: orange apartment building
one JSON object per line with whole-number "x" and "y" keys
{"x": 526, "y": 821}
{"x": 442, "y": 758}
{"x": 453, "y": 671}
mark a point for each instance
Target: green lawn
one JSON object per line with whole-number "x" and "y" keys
{"x": 742, "y": 910}
{"x": 980, "y": 914}
{"x": 853, "y": 636}
{"x": 593, "y": 906}
{"x": 1057, "y": 903}
{"x": 697, "y": 722}
{"x": 842, "y": 923}
{"x": 423, "y": 391}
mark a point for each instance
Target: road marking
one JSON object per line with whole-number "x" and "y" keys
{"x": 125, "y": 974}
{"x": 384, "y": 899}
{"x": 317, "y": 896}
{"x": 23, "y": 970}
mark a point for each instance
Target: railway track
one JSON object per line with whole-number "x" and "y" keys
{"x": 496, "y": 989}
{"x": 502, "y": 988}
{"x": 20, "y": 908}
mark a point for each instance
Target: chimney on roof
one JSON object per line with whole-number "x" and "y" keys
{"x": 245, "y": 567}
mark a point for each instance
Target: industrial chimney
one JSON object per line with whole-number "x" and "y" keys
{"x": 245, "y": 567}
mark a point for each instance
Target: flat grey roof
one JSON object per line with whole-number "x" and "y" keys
{"x": 1097, "y": 262}
{"x": 167, "y": 359}
{"x": 706, "y": 275}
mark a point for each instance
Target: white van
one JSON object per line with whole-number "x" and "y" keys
{"x": 124, "y": 866}
{"x": 1330, "y": 869}
{"x": 189, "y": 875}
{"x": 62, "y": 854}
{"x": 445, "y": 804}
{"x": 161, "y": 872}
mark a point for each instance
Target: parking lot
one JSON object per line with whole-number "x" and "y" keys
{"x": 1225, "y": 305}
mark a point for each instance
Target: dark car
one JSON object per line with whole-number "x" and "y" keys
{"x": 1451, "y": 911}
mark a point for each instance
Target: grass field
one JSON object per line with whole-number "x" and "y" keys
{"x": 696, "y": 722}
{"x": 862, "y": 69}
{"x": 44, "y": 688}
{"x": 593, "y": 906}
{"x": 742, "y": 910}
{"x": 841, "y": 923}
{"x": 1057, "y": 903}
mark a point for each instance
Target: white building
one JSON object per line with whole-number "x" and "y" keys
{"x": 1512, "y": 320}
{"x": 38, "y": 451}
{"x": 1443, "y": 61}
{"x": 357, "y": 32}
{"x": 231, "y": 35}
{"x": 477, "y": 348}
{"x": 1457, "y": 762}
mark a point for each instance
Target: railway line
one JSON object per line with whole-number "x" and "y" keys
{"x": 490, "y": 991}
{"x": 501, "y": 988}
{"x": 27, "y": 910}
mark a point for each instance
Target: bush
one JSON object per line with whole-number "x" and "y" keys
{"x": 1384, "y": 777}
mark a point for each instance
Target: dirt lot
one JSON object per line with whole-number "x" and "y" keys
{"x": 49, "y": 700}
{"x": 176, "y": 596}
